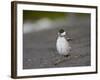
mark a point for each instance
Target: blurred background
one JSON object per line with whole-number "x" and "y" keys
{"x": 40, "y": 30}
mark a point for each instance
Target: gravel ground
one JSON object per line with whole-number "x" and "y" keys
{"x": 39, "y": 48}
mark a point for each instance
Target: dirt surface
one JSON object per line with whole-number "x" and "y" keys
{"x": 39, "y": 48}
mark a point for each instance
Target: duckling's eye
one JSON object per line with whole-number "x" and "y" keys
{"x": 61, "y": 30}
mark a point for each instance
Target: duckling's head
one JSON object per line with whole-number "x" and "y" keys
{"x": 61, "y": 33}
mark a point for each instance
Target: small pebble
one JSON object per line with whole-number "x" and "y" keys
{"x": 29, "y": 59}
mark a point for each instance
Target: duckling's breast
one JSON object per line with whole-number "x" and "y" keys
{"x": 62, "y": 46}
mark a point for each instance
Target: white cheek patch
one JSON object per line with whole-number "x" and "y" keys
{"x": 63, "y": 34}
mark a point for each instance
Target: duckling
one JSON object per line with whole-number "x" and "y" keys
{"x": 62, "y": 45}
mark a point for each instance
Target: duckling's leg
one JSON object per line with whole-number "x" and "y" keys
{"x": 65, "y": 57}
